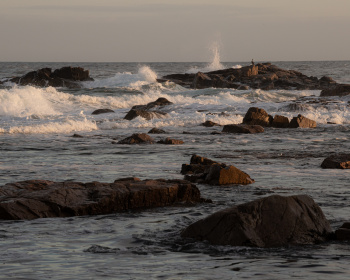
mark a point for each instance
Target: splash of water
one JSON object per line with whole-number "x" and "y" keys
{"x": 216, "y": 60}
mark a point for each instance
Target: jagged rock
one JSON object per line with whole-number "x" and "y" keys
{"x": 340, "y": 161}
{"x": 148, "y": 115}
{"x": 210, "y": 124}
{"x": 343, "y": 233}
{"x": 156, "y": 131}
{"x": 169, "y": 141}
{"x": 63, "y": 77}
{"x": 257, "y": 116}
{"x": 242, "y": 128}
{"x": 207, "y": 171}
{"x": 338, "y": 90}
{"x": 202, "y": 81}
{"x": 272, "y": 221}
{"x": 137, "y": 138}
{"x": 280, "y": 121}
{"x": 102, "y": 111}
{"x": 42, "y": 199}
{"x": 303, "y": 122}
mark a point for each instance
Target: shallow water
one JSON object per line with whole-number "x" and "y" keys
{"x": 36, "y": 128}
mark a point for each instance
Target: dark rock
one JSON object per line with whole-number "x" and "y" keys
{"x": 339, "y": 90}
{"x": 42, "y": 199}
{"x": 272, "y": 221}
{"x": 207, "y": 171}
{"x": 156, "y": 131}
{"x": 280, "y": 121}
{"x": 161, "y": 101}
{"x": 210, "y": 124}
{"x": 169, "y": 141}
{"x": 202, "y": 81}
{"x": 102, "y": 111}
{"x": 148, "y": 115}
{"x": 340, "y": 161}
{"x": 64, "y": 77}
{"x": 257, "y": 116}
{"x": 303, "y": 122}
{"x": 77, "y": 135}
{"x": 137, "y": 138}
{"x": 243, "y": 87}
{"x": 242, "y": 128}
{"x": 343, "y": 233}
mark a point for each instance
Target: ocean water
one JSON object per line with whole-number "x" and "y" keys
{"x": 36, "y": 128}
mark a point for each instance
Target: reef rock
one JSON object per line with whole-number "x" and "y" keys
{"x": 272, "y": 221}
{"x": 42, "y": 199}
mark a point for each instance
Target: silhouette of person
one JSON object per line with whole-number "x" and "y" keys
{"x": 253, "y": 62}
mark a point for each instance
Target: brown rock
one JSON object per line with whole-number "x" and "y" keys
{"x": 137, "y": 138}
{"x": 169, "y": 141}
{"x": 272, "y": 221}
{"x": 280, "y": 121}
{"x": 303, "y": 122}
{"x": 102, "y": 111}
{"x": 341, "y": 161}
{"x": 257, "y": 116}
{"x": 202, "y": 80}
{"x": 339, "y": 90}
{"x": 156, "y": 131}
{"x": 148, "y": 115}
{"x": 242, "y": 128}
{"x": 41, "y": 199}
{"x": 210, "y": 124}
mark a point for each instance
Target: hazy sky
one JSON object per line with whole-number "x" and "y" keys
{"x": 174, "y": 30}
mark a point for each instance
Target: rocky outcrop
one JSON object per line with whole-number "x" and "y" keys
{"x": 302, "y": 122}
{"x": 102, "y": 111}
{"x": 42, "y": 199}
{"x": 242, "y": 128}
{"x": 338, "y": 90}
{"x": 206, "y": 171}
{"x": 64, "y": 77}
{"x": 169, "y": 141}
{"x": 257, "y": 116}
{"x": 340, "y": 161}
{"x": 272, "y": 221}
{"x": 263, "y": 75}
{"x": 147, "y": 112}
{"x": 137, "y": 138}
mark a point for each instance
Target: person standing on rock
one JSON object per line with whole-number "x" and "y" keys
{"x": 253, "y": 62}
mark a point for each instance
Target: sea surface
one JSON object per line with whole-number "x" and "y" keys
{"x": 36, "y": 129}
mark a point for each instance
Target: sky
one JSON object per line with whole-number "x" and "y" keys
{"x": 174, "y": 30}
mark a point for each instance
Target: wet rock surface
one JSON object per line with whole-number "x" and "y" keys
{"x": 42, "y": 199}
{"x": 340, "y": 161}
{"x": 102, "y": 111}
{"x": 242, "y": 128}
{"x": 137, "y": 138}
{"x": 147, "y": 111}
{"x": 263, "y": 75}
{"x": 206, "y": 171}
{"x": 272, "y": 221}
{"x": 169, "y": 141}
{"x": 63, "y": 77}
{"x": 343, "y": 233}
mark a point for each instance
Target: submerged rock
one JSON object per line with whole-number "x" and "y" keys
{"x": 272, "y": 221}
{"x": 156, "y": 131}
{"x": 169, "y": 141}
{"x": 102, "y": 111}
{"x": 42, "y": 199}
{"x": 137, "y": 138}
{"x": 207, "y": 171}
{"x": 242, "y": 128}
{"x": 340, "y": 161}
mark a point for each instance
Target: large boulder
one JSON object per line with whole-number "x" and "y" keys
{"x": 137, "y": 138}
{"x": 42, "y": 199}
{"x": 302, "y": 122}
{"x": 340, "y": 161}
{"x": 272, "y": 221}
{"x": 206, "y": 171}
{"x": 280, "y": 121}
{"x": 242, "y": 128}
{"x": 257, "y": 116}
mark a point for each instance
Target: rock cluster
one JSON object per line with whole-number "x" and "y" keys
{"x": 268, "y": 222}
{"x": 263, "y": 75}
{"x": 206, "y": 171}
{"x": 63, "y": 77}
{"x": 42, "y": 199}
{"x": 147, "y": 111}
